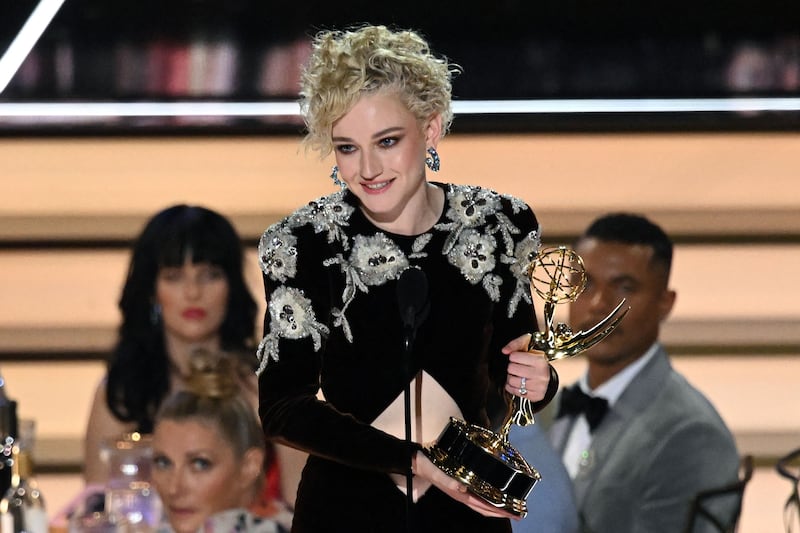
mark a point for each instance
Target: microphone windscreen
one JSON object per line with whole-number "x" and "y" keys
{"x": 412, "y": 295}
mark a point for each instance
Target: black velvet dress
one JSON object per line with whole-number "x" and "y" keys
{"x": 333, "y": 322}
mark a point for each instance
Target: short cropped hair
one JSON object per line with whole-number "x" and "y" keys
{"x": 630, "y": 228}
{"x": 345, "y": 65}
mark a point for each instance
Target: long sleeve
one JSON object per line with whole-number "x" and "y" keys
{"x": 298, "y": 323}
{"x": 333, "y": 321}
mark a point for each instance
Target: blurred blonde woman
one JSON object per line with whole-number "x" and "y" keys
{"x": 208, "y": 453}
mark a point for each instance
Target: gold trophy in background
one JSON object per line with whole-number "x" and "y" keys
{"x": 484, "y": 460}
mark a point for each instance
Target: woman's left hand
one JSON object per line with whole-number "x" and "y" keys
{"x": 425, "y": 469}
{"x": 528, "y": 372}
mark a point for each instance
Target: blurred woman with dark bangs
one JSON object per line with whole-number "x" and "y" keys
{"x": 184, "y": 290}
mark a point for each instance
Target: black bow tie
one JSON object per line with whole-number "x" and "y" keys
{"x": 574, "y": 402}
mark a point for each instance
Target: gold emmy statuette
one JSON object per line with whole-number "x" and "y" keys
{"x": 485, "y": 461}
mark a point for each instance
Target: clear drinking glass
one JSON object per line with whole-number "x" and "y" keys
{"x": 130, "y": 499}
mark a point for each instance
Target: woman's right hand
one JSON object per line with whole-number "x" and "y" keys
{"x": 424, "y": 468}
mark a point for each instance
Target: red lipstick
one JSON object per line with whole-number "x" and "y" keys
{"x": 194, "y": 313}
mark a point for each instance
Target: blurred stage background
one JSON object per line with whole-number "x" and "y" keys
{"x": 77, "y": 189}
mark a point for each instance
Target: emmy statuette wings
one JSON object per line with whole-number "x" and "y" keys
{"x": 485, "y": 461}
{"x": 558, "y": 276}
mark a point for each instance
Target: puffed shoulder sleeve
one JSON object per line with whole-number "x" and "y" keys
{"x": 298, "y": 320}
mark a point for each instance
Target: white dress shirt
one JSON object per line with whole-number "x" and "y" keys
{"x": 578, "y": 451}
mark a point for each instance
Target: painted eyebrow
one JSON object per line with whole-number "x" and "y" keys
{"x": 377, "y": 135}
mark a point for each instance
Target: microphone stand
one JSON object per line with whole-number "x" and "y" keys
{"x": 408, "y": 345}
{"x": 412, "y": 298}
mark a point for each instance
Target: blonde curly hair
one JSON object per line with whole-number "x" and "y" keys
{"x": 345, "y": 65}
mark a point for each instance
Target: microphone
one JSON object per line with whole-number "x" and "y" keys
{"x": 412, "y": 298}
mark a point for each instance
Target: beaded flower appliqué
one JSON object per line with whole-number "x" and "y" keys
{"x": 278, "y": 253}
{"x": 374, "y": 260}
{"x": 290, "y": 317}
{"x": 478, "y": 232}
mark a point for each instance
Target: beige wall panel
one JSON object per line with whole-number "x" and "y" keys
{"x": 631, "y": 171}
{"x": 61, "y": 288}
{"x": 81, "y": 287}
{"x": 272, "y": 174}
{"x": 737, "y": 281}
{"x": 143, "y": 175}
{"x": 75, "y": 287}
{"x": 58, "y": 395}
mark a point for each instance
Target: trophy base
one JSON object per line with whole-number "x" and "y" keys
{"x": 487, "y": 464}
